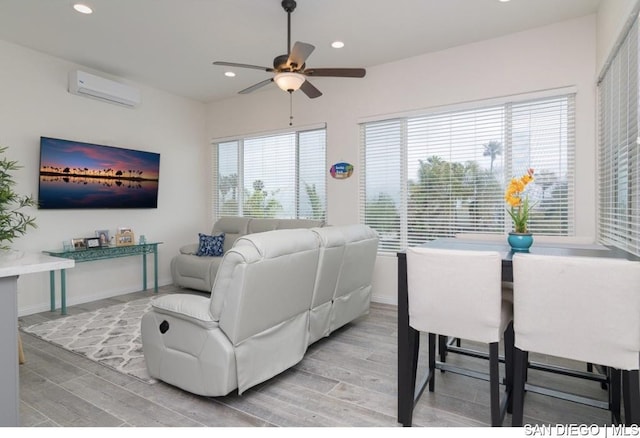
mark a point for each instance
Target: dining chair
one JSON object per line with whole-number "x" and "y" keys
{"x": 507, "y": 286}
{"x": 568, "y": 241}
{"x": 584, "y": 309}
{"x": 458, "y": 293}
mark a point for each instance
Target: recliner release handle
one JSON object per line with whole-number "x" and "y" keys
{"x": 164, "y": 327}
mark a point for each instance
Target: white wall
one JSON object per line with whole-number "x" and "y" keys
{"x": 612, "y": 16}
{"x": 554, "y": 56}
{"x": 35, "y": 103}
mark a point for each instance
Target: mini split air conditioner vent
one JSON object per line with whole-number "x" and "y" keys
{"x": 86, "y": 84}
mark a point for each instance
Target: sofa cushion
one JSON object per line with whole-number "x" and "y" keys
{"x": 232, "y": 227}
{"x": 210, "y": 245}
{"x": 199, "y": 272}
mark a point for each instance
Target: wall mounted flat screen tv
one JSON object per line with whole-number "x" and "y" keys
{"x": 75, "y": 175}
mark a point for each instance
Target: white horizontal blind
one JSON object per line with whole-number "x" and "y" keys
{"x": 543, "y": 138}
{"x": 440, "y": 174}
{"x": 312, "y": 187}
{"x": 452, "y": 185}
{"x": 263, "y": 176}
{"x": 382, "y": 198}
{"x": 229, "y": 197}
{"x": 618, "y": 163}
{"x": 269, "y": 176}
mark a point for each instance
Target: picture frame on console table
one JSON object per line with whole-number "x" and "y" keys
{"x": 92, "y": 242}
{"x": 103, "y": 236}
{"x": 78, "y": 243}
{"x": 125, "y": 238}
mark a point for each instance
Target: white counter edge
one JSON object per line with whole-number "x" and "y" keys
{"x": 33, "y": 262}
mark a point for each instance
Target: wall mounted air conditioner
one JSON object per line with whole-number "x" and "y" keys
{"x": 86, "y": 84}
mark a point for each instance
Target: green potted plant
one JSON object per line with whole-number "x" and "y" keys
{"x": 13, "y": 222}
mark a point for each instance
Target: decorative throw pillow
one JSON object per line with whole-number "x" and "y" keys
{"x": 210, "y": 245}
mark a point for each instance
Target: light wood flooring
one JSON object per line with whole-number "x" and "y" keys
{"x": 348, "y": 379}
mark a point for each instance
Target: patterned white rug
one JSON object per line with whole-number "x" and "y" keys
{"x": 109, "y": 336}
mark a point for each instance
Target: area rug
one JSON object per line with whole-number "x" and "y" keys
{"x": 108, "y": 336}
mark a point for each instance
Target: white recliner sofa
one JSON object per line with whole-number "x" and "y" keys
{"x": 199, "y": 272}
{"x": 275, "y": 293}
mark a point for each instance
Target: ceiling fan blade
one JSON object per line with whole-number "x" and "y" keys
{"x": 235, "y": 64}
{"x": 299, "y": 54}
{"x": 311, "y": 91}
{"x": 256, "y": 86}
{"x": 336, "y": 72}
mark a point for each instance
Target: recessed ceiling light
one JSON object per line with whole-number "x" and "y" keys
{"x": 229, "y": 74}
{"x": 83, "y": 9}
{"x": 337, "y": 44}
{"x": 503, "y": 1}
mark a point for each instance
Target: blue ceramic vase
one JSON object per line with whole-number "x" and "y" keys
{"x": 520, "y": 242}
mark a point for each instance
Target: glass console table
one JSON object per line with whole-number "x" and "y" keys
{"x": 102, "y": 253}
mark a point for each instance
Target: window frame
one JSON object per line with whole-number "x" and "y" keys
{"x": 240, "y": 167}
{"x": 508, "y": 102}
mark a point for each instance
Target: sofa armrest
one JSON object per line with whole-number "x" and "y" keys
{"x": 193, "y": 308}
{"x": 190, "y": 249}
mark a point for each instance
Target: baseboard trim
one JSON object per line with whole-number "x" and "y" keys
{"x": 44, "y": 306}
{"x": 382, "y": 299}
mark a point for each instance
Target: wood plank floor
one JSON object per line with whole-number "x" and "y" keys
{"x": 348, "y": 379}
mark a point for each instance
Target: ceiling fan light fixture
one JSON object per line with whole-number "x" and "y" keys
{"x": 289, "y": 81}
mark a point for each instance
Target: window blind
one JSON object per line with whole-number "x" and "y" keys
{"x": 312, "y": 186}
{"x": 618, "y": 164}
{"x": 275, "y": 176}
{"x": 439, "y": 174}
{"x": 229, "y": 197}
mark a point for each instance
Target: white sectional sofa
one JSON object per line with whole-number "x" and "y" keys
{"x": 275, "y": 293}
{"x": 198, "y": 272}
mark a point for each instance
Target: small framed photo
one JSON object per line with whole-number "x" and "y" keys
{"x": 103, "y": 236}
{"x": 92, "y": 242}
{"x": 78, "y": 243}
{"x": 125, "y": 239}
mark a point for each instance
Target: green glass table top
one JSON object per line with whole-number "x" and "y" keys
{"x": 105, "y": 252}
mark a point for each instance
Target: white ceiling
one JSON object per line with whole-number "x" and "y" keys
{"x": 171, "y": 44}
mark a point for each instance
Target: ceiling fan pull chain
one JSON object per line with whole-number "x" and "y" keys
{"x": 290, "y": 108}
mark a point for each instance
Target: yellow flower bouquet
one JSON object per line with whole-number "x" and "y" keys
{"x": 519, "y": 207}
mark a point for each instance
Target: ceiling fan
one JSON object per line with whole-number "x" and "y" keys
{"x": 290, "y": 69}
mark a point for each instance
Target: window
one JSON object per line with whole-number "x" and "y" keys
{"x": 618, "y": 161}
{"x": 276, "y": 176}
{"x": 439, "y": 174}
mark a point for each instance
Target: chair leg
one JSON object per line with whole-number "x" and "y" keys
{"x": 442, "y": 348}
{"x": 508, "y": 364}
{"x": 407, "y": 369}
{"x": 21, "y": 359}
{"x": 494, "y": 384}
{"x": 519, "y": 376}
{"x": 631, "y": 397}
{"x": 432, "y": 361}
{"x": 614, "y": 395}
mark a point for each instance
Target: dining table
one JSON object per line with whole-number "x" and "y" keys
{"x": 408, "y": 391}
